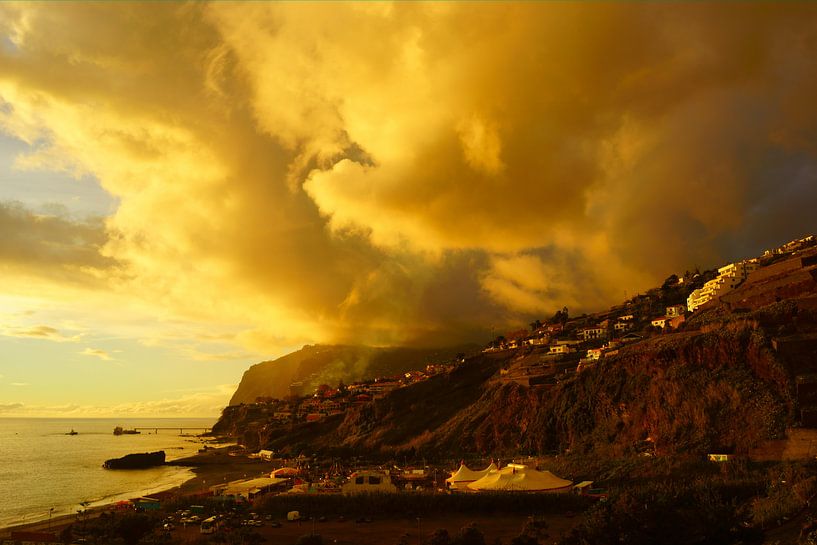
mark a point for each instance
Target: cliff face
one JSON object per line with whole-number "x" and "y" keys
{"x": 735, "y": 375}
{"x": 323, "y": 364}
{"x": 723, "y": 389}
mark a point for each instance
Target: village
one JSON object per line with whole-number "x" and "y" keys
{"x": 546, "y": 353}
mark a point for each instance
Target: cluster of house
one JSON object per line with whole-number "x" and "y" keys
{"x": 327, "y": 401}
{"x": 728, "y": 277}
{"x": 792, "y": 246}
{"x": 614, "y": 331}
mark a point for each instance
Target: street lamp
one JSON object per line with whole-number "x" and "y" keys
{"x": 50, "y": 511}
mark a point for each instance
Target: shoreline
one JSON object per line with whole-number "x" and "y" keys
{"x": 210, "y": 468}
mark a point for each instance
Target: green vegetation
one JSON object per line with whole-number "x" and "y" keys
{"x": 678, "y": 502}
{"x": 418, "y": 504}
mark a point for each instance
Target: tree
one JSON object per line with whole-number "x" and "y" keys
{"x": 561, "y": 317}
{"x": 536, "y": 324}
{"x": 470, "y": 535}
{"x": 440, "y": 537}
{"x": 671, "y": 281}
{"x": 133, "y": 527}
{"x": 310, "y": 539}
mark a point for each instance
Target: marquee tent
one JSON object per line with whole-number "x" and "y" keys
{"x": 283, "y": 472}
{"x": 369, "y": 482}
{"x": 459, "y": 479}
{"x": 251, "y": 487}
{"x": 520, "y": 478}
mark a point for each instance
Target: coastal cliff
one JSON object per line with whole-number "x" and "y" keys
{"x": 313, "y": 365}
{"x": 734, "y": 375}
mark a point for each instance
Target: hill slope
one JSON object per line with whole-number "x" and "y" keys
{"x": 730, "y": 378}
{"x": 328, "y": 364}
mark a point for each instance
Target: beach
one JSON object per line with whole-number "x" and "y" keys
{"x": 209, "y": 468}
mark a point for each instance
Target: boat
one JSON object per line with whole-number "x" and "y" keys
{"x": 72, "y": 432}
{"x": 119, "y": 431}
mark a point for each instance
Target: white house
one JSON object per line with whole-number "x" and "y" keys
{"x": 561, "y": 349}
{"x": 622, "y": 326}
{"x": 594, "y": 354}
{"x": 595, "y": 332}
{"x": 728, "y": 277}
{"x": 660, "y": 322}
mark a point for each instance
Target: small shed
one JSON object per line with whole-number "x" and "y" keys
{"x": 370, "y": 481}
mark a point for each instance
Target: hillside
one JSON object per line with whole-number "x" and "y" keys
{"x": 313, "y": 365}
{"x": 740, "y": 371}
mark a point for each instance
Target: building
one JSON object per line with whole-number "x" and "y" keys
{"x": 594, "y": 354}
{"x": 676, "y": 310}
{"x": 660, "y": 322}
{"x": 622, "y": 326}
{"x": 596, "y": 332}
{"x": 792, "y": 246}
{"x": 674, "y": 323}
{"x": 537, "y": 341}
{"x": 631, "y": 338}
{"x": 729, "y": 276}
{"x": 561, "y": 349}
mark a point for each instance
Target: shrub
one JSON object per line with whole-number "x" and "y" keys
{"x": 310, "y": 539}
{"x": 470, "y": 535}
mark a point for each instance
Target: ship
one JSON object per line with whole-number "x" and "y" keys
{"x": 119, "y": 431}
{"x": 72, "y": 432}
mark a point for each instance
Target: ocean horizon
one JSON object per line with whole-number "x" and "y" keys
{"x": 44, "y": 472}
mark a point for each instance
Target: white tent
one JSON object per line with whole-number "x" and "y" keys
{"x": 459, "y": 479}
{"x": 517, "y": 477}
{"x": 251, "y": 487}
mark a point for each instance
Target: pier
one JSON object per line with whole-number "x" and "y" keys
{"x": 203, "y": 429}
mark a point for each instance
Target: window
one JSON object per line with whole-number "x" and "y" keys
{"x": 358, "y": 480}
{"x": 374, "y": 480}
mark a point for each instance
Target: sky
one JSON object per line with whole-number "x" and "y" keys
{"x": 189, "y": 188}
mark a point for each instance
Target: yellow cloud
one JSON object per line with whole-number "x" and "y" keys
{"x": 402, "y": 172}
{"x": 97, "y": 353}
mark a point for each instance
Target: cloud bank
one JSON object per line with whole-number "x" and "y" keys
{"x": 199, "y": 404}
{"x": 408, "y": 172}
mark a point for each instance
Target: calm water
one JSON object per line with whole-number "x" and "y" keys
{"x": 42, "y": 468}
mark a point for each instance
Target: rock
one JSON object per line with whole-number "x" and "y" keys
{"x": 136, "y": 461}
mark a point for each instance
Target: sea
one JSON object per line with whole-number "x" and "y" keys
{"x": 46, "y": 473}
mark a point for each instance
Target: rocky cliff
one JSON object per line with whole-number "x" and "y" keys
{"x": 329, "y": 364}
{"x": 733, "y": 376}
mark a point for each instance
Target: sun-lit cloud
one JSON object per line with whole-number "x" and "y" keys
{"x": 40, "y": 332}
{"x": 281, "y": 181}
{"x": 208, "y": 402}
{"x": 19, "y": 384}
{"x": 97, "y": 353}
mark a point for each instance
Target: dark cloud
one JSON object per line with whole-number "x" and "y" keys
{"x": 49, "y": 245}
{"x": 481, "y": 166}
